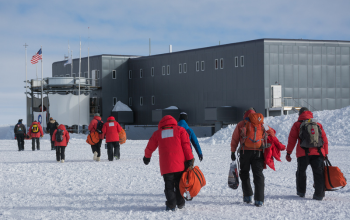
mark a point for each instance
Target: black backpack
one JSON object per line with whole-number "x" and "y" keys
{"x": 310, "y": 134}
{"x": 99, "y": 127}
{"x": 59, "y": 135}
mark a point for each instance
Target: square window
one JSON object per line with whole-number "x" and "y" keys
{"x": 153, "y": 100}
{"x": 61, "y": 75}
{"x": 202, "y": 66}
{"x": 180, "y": 68}
{"x": 73, "y": 74}
{"x": 86, "y": 75}
{"x": 197, "y": 66}
{"x": 221, "y": 63}
{"x": 97, "y": 74}
{"x": 141, "y": 101}
{"x": 163, "y": 70}
{"x": 236, "y": 61}
{"x": 216, "y": 64}
{"x": 168, "y": 70}
{"x": 152, "y": 71}
{"x": 130, "y": 101}
{"x": 242, "y": 61}
{"x": 114, "y": 74}
{"x": 141, "y": 73}
{"x": 67, "y": 75}
{"x": 185, "y": 67}
{"x": 130, "y": 74}
{"x": 114, "y": 101}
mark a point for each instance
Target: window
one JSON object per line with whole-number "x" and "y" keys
{"x": 130, "y": 101}
{"x": 221, "y": 63}
{"x": 61, "y": 75}
{"x": 97, "y": 74}
{"x": 185, "y": 67}
{"x": 216, "y": 64}
{"x": 202, "y": 66}
{"x": 180, "y": 68}
{"x": 141, "y": 101}
{"x": 197, "y": 66}
{"x": 86, "y": 74}
{"x": 163, "y": 70}
{"x": 236, "y": 61}
{"x": 152, "y": 71}
{"x": 67, "y": 75}
{"x": 114, "y": 74}
{"x": 242, "y": 61}
{"x": 168, "y": 70}
{"x": 141, "y": 73}
{"x": 153, "y": 100}
{"x": 114, "y": 101}
{"x": 130, "y": 74}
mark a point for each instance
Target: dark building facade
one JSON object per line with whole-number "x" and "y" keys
{"x": 216, "y": 84}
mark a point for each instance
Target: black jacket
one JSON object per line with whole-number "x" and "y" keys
{"x": 51, "y": 126}
{"x": 19, "y": 129}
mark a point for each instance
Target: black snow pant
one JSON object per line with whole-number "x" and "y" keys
{"x": 172, "y": 191}
{"x": 37, "y": 143}
{"x": 60, "y": 153}
{"x": 97, "y": 148}
{"x": 113, "y": 146}
{"x": 254, "y": 159}
{"x": 317, "y": 166}
{"x": 52, "y": 143}
{"x": 20, "y": 141}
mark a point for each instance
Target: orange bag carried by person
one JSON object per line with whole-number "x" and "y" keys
{"x": 191, "y": 182}
{"x": 333, "y": 177}
{"x": 122, "y": 137}
{"x": 93, "y": 138}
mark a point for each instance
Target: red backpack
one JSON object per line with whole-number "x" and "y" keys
{"x": 253, "y": 133}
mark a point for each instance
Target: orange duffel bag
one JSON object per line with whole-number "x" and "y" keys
{"x": 93, "y": 138}
{"x": 333, "y": 177}
{"x": 122, "y": 137}
{"x": 191, "y": 183}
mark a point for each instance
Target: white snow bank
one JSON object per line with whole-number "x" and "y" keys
{"x": 121, "y": 107}
{"x": 336, "y": 124}
{"x": 171, "y": 108}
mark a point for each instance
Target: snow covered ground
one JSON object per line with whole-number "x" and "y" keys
{"x": 34, "y": 186}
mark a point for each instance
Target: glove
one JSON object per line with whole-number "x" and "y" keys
{"x": 189, "y": 164}
{"x": 200, "y": 157}
{"x": 233, "y": 156}
{"x": 15, "y": 137}
{"x": 146, "y": 160}
{"x": 42, "y": 136}
{"x": 288, "y": 158}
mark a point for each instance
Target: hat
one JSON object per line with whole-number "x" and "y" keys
{"x": 51, "y": 118}
{"x": 20, "y": 120}
{"x": 97, "y": 114}
{"x": 183, "y": 116}
{"x": 303, "y": 109}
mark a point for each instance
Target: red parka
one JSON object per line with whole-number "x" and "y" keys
{"x": 294, "y": 137}
{"x": 111, "y": 130}
{"x": 174, "y": 146}
{"x": 66, "y": 136}
{"x": 274, "y": 151}
{"x": 236, "y": 135}
{"x": 93, "y": 125}
{"x": 38, "y": 134}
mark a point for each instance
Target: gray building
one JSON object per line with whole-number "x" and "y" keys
{"x": 214, "y": 85}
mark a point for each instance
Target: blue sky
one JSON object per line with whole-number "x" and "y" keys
{"x": 124, "y": 27}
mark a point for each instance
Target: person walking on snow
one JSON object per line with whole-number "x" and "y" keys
{"x": 20, "y": 133}
{"x": 36, "y": 132}
{"x": 61, "y": 138}
{"x": 111, "y": 130}
{"x": 249, "y": 158}
{"x": 96, "y": 149}
{"x": 313, "y": 156}
{"x": 50, "y": 128}
{"x": 183, "y": 123}
{"x": 175, "y": 156}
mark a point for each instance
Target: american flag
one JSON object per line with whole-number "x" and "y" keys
{"x": 36, "y": 57}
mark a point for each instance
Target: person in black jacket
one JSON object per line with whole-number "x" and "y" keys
{"x": 51, "y": 127}
{"x": 20, "y": 133}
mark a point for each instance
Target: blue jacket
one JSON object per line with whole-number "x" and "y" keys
{"x": 193, "y": 137}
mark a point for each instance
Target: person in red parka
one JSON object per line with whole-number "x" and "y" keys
{"x": 61, "y": 138}
{"x": 96, "y": 149}
{"x": 308, "y": 156}
{"x": 111, "y": 130}
{"x": 175, "y": 154}
{"x": 35, "y": 132}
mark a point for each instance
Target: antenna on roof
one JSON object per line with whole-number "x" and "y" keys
{"x": 150, "y": 47}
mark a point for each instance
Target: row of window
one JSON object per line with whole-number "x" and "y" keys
{"x": 153, "y": 100}
{"x": 183, "y": 67}
{"x": 97, "y": 76}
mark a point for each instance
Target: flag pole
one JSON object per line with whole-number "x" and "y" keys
{"x": 71, "y": 65}
{"x": 25, "y": 45}
{"x": 42, "y": 87}
{"x": 88, "y": 54}
{"x": 79, "y": 85}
